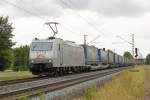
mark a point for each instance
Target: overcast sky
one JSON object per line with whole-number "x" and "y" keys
{"x": 105, "y": 19}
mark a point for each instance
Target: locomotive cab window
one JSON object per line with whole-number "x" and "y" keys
{"x": 41, "y": 46}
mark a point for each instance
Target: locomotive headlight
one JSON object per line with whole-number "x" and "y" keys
{"x": 50, "y": 61}
{"x": 32, "y": 61}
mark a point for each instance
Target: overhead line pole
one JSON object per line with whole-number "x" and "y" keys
{"x": 132, "y": 45}
{"x": 85, "y": 39}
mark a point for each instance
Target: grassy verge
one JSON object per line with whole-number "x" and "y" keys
{"x": 129, "y": 85}
{"x": 10, "y": 75}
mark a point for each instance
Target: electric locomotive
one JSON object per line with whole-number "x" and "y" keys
{"x": 54, "y": 55}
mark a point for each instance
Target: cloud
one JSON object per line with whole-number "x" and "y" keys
{"x": 110, "y": 7}
{"x": 121, "y": 7}
{"x": 56, "y": 8}
{"x": 75, "y": 4}
{"x": 25, "y": 8}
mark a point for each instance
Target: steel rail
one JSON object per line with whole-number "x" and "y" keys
{"x": 10, "y": 82}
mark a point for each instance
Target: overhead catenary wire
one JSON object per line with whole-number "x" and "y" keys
{"x": 90, "y": 24}
{"x": 42, "y": 18}
{"x": 131, "y": 43}
{"x": 25, "y": 10}
{"x": 94, "y": 39}
{"x": 87, "y": 19}
{"x": 123, "y": 39}
{"x": 69, "y": 30}
{"x": 118, "y": 42}
{"x": 31, "y": 13}
{"x": 83, "y": 18}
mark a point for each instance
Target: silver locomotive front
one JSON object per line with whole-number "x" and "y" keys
{"x": 41, "y": 55}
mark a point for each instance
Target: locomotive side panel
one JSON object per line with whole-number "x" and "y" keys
{"x": 73, "y": 55}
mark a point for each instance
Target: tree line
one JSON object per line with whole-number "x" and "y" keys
{"x": 11, "y": 58}
{"x": 17, "y": 58}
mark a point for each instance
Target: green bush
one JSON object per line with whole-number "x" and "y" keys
{"x": 147, "y": 59}
{"x": 23, "y": 98}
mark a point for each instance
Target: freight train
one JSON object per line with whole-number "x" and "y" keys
{"x": 55, "y": 56}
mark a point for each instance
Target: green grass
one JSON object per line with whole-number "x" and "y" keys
{"x": 10, "y": 75}
{"x": 129, "y": 85}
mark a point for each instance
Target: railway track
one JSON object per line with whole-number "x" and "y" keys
{"x": 10, "y": 82}
{"x": 53, "y": 84}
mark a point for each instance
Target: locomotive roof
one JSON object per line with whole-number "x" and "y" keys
{"x": 45, "y": 40}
